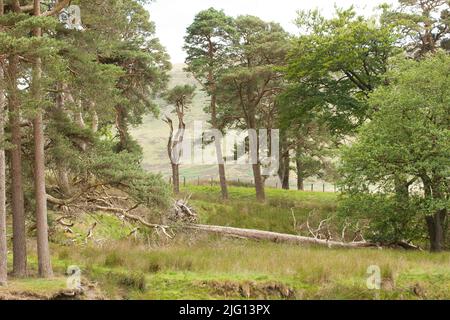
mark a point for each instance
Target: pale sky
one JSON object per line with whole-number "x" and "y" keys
{"x": 172, "y": 17}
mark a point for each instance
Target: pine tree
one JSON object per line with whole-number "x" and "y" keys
{"x": 252, "y": 79}
{"x": 44, "y": 260}
{"x": 208, "y": 43}
{"x": 3, "y": 242}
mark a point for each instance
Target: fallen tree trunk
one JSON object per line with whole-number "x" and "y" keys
{"x": 277, "y": 237}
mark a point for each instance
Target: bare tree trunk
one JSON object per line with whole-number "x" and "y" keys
{"x": 284, "y": 167}
{"x": 256, "y": 164}
{"x": 436, "y": 232}
{"x": 17, "y": 201}
{"x": 300, "y": 179}
{"x": 222, "y": 175}
{"x": 122, "y": 129}
{"x": 259, "y": 185}
{"x": 176, "y": 178}
{"x": 3, "y": 242}
{"x": 277, "y": 237}
{"x": 43, "y": 250}
{"x": 285, "y": 171}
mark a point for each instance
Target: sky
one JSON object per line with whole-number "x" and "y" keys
{"x": 172, "y": 17}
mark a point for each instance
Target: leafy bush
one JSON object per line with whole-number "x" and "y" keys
{"x": 388, "y": 220}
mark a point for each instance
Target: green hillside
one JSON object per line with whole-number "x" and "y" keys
{"x": 152, "y": 135}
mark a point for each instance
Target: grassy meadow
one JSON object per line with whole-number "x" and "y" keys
{"x": 200, "y": 266}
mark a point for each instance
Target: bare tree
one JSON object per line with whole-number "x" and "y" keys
{"x": 180, "y": 97}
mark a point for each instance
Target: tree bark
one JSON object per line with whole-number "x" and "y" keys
{"x": 43, "y": 250}
{"x": 285, "y": 171}
{"x": 3, "y": 242}
{"x": 284, "y": 166}
{"x": 17, "y": 201}
{"x": 277, "y": 237}
{"x": 176, "y": 178}
{"x": 435, "y": 224}
{"x": 300, "y": 179}
{"x": 259, "y": 185}
{"x": 122, "y": 129}
{"x": 222, "y": 174}
{"x": 256, "y": 165}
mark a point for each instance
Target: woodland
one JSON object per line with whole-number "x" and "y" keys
{"x": 363, "y": 103}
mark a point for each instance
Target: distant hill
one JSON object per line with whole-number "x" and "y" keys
{"x": 152, "y": 135}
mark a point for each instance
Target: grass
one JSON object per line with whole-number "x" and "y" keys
{"x": 241, "y": 210}
{"x": 210, "y": 267}
{"x": 33, "y": 288}
{"x": 199, "y": 266}
{"x": 236, "y": 269}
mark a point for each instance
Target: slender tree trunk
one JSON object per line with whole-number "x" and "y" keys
{"x": 176, "y": 178}
{"x": 222, "y": 174}
{"x": 122, "y": 129}
{"x": 284, "y": 165}
{"x": 17, "y": 200}
{"x": 43, "y": 250}
{"x": 259, "y": 185}
{"x": 285, "y": 171}
{"x": 3, "y": 242}
{"x": 256, "y": 164}
{"x": 300, "y": 178}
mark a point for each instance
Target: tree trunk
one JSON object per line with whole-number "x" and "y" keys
{"x": 256, "y": 165}
{"x": 300, "y": 179}
{"x": 284, "y": 165}
{"x": 259, "y": 185}
{"x": 222, "y": 175}
{"x": 175, "y": 178}
{"x": 17, "y": 201}
{"x": 3, "y": 242}
{"x": 277, "y": 237}
{"x": 435, "y": 224}
{"x": 43, "y": 250}
{"x": 285, "y": 171}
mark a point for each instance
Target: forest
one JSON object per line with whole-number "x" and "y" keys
{"x": 361, "y": 103}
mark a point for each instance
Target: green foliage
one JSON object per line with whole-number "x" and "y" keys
{"x": 181, "y": 95}
{"x": 208, "y": 43}
{"x": 388, "y": 221}
{"x": 109, "y": 74}
{"x": 336, "y": 64}
{"x": 407, "y": 142}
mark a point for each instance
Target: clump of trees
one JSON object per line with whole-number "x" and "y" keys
{"x": 68, "y": 97}
{"x": 346, "y": 83}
